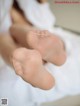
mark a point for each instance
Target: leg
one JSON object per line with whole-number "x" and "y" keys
{"x": 18, "y": 18}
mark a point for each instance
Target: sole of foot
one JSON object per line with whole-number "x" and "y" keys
{"x": 28, "y": 64}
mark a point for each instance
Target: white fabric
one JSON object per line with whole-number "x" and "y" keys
{"x": 38, "y": 14}
{"x": 5, "y": 20}
{"x": 20, "y": 93}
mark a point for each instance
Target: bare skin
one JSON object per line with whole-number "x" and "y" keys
{"x": 50, "y": 46}
{"x": 27, "y": 63}
{"x": 24, "y": 62}
{"x": 7, "y": 46}
{"x": 29, "y": 66}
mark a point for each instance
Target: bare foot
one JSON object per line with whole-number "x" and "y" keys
{"x": 50, "y": 47}
{"x": 28, "y": 64}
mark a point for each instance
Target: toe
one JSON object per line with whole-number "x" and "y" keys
{"x": 32, "y": 39}
{"x": 60, "y": 59}
{"x": 43, "y": 33}
{"x": 17, "y": 67}
{"x": 46, "y": 33}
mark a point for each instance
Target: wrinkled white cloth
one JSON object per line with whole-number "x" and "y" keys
{"x": 20, "y": 93}
{"x": 38, "y": 14}
{"x": 5, "y": 20}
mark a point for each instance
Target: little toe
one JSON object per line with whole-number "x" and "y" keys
{"x": 17, "y": 66}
